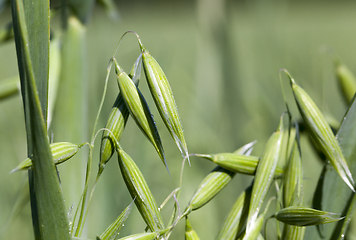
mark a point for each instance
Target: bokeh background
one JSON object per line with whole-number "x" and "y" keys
{"x": 222, "y": 59}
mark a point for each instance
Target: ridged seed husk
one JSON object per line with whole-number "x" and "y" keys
{"x": 255, "y": 231}
{"x": 212, "y": 184}
{"x": 264, "y": 174}
{"x": 293, "y": 179}
{"x": 347, "y": 81}
{"x": 117, "y": 120}
{"x": 237, "y": 163}
{"x": 293, "y": 192}
{"x": 139, "y": 111}
{"x": 61, "y": 152}
{"x": 235, "y": 220}
{"x": 302, "y": 216}
{"x": 190, "y": 234}
{"x": 293, "y": 232}
{"x": 163, "y": 96}
{"x": 140, "y": 192}
{"x": 116, "y": 124}
{"x": 321, "y": 132}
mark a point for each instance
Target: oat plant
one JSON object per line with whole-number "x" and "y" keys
{"x": 279, "y": 167}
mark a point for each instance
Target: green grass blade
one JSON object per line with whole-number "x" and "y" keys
{"x": 31, "y": 28}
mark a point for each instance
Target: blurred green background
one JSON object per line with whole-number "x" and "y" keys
{"x": 222, "y": 59}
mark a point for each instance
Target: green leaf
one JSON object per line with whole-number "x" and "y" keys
{"x": 31, "y": 29}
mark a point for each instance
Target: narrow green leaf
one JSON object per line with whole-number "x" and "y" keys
{"x": 31, "y": 29}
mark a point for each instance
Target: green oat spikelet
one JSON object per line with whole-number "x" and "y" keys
{"x": 234, "y": 221}
{"x": 213, "y": 183}
{"x": 139, "y": 111}
{"x": 141, "y": 236}
{"x": 61, "y": 152}
{"x": 190, "y": 234}
{"x": 293, "y": 191}
{"x": 303, "y": 216}
{"x": 140, "y": 192}
{"x": 264, "y": 174}
{"x": 321, "y": 132}
{"x": 117, "y": 120}
{"x": 113, "y": 230}
{"x": 293, "y": 179}
{"x": 346, "y": 81}
{"x": 163, "y": 96}
{"x": 237, "y": 162}
{"x": 255, "y": 232}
